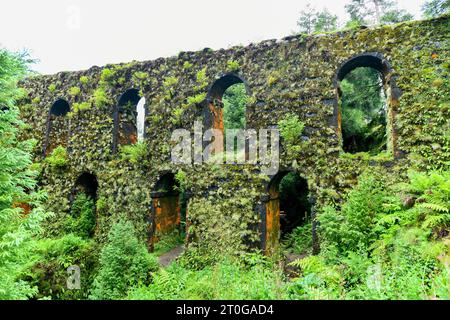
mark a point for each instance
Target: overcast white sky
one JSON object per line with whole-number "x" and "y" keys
{"x": 76, "y": 34}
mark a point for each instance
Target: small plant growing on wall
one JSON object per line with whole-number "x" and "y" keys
{"x": 135, "y": 153}
{"x": 233, "y": 65}
{"x": 58, "y": 159}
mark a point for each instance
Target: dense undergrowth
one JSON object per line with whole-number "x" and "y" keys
{"x": 387, "y": 241}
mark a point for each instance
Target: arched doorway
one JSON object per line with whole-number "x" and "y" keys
{"x": 286, "y": 207}
{"x": 168, "y": 209}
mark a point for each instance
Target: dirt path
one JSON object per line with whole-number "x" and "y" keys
{"x": 168, "y": 257}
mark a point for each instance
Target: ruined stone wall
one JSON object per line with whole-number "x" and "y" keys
{"x": 296, "y": 75}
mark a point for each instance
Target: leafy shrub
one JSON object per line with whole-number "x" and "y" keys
{"x": 58, "y": 158}
{"x": 299, "y": 240}
{"x": 352, "y": 227}
{"x": 81, "y": 220}
{"x": 233, "y": 65}
{"x": 228, "y": 279}
{"x": 100, "y": 98}
{"x": 52, "y": 258}
{"x": 74, "y": 91}
{"x": 84, "y": 80}
{"x": 291, "y": 129}
{"x": 124, "y": 262}
{"x": 135, "y": 153}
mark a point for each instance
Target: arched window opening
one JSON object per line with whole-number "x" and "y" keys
{"x": 287, "y": 208}
{"x": 57, "y": 126}
{"x": 126, "y": 118}
{"x": 60, "y": 108}
{"x": 168, "y": 216}
{"x": 82, "y": 218}
{"x": 365, "y": 104}
{"x": 226, "y": 106}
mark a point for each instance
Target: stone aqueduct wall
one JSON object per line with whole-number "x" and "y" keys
{"x": 299, "y": 75}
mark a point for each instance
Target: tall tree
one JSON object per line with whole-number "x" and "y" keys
{"x": 307, "y": 19}
{"x": 17, "y": 182}
{"x": 325, "y": 21}
{"x": 435, "y": 8}
{"x": 311, "y": 20}
{"x": 363, "y": 111}
{"x": 372, "y": 12}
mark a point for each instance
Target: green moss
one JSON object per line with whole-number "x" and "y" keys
{"x": 140, "y": 76}
{"x": 84, "y": 80}
{"x": 273, "y": 78}
{"x": 233, "y": 65}
{"x": 170, "y": 82}
{"x": 36, "y": 100}
{"x": 52, "y": 87}
{"x": 202, "y": 80}
{"x": 187, "y": 65}
{"x": 107, "y": 75}
{"x": 74, "y": 91}
{"x": 81, "y": 106}
{"x": 100, "y": 98}
{"x": 58, "y": 158}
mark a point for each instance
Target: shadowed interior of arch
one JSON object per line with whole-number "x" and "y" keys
{"x": 287, "y": 208}
{"x": 60, "y": 108}
{"x": 169, "y": 209}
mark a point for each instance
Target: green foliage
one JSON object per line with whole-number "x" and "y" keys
{"x": 311, "y": 20}
{"x": 299, "y": 241}
{"x": 187, "y": 65}
{"x": 202, "y": 80}
{"x": 363, "y": 111}
{"x": 52, "y": 87}
{"x": 81, "y": 220}
{"x": 352, "y": 227}
{"x": 58, "y": 159}
{"x": 291, "y": 129}
{"x": 100, "y": 98}
{"x": 435, "y": 8}
{"x": 48, "y": 271}
{"x": 84, "y": 80}
{"x": 107, "y": 75}
{"x": 135, "y": 153}
{"x": 234, "y": 104}
{"x": 198, "y": 98}
{"x": 81, "y": 106}
{"x": 233, "y": 65}
{"x": 17, "y": 185}
{"x": 380, "y": 244}
{"x": 228, "y": 279}
{"x": 124, "y": 262}
{"x": 273, "y": 78}
{"x": 170, "y": 82}
{"x": 167, "y": 242}
{"x": 74, "y": 91}
{"x": 369, "y": 12}
{"x": 395, "y": 16}
{"x": 140, "y": 76}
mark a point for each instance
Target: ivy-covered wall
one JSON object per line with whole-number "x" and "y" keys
{"x": 295, "y": 75}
